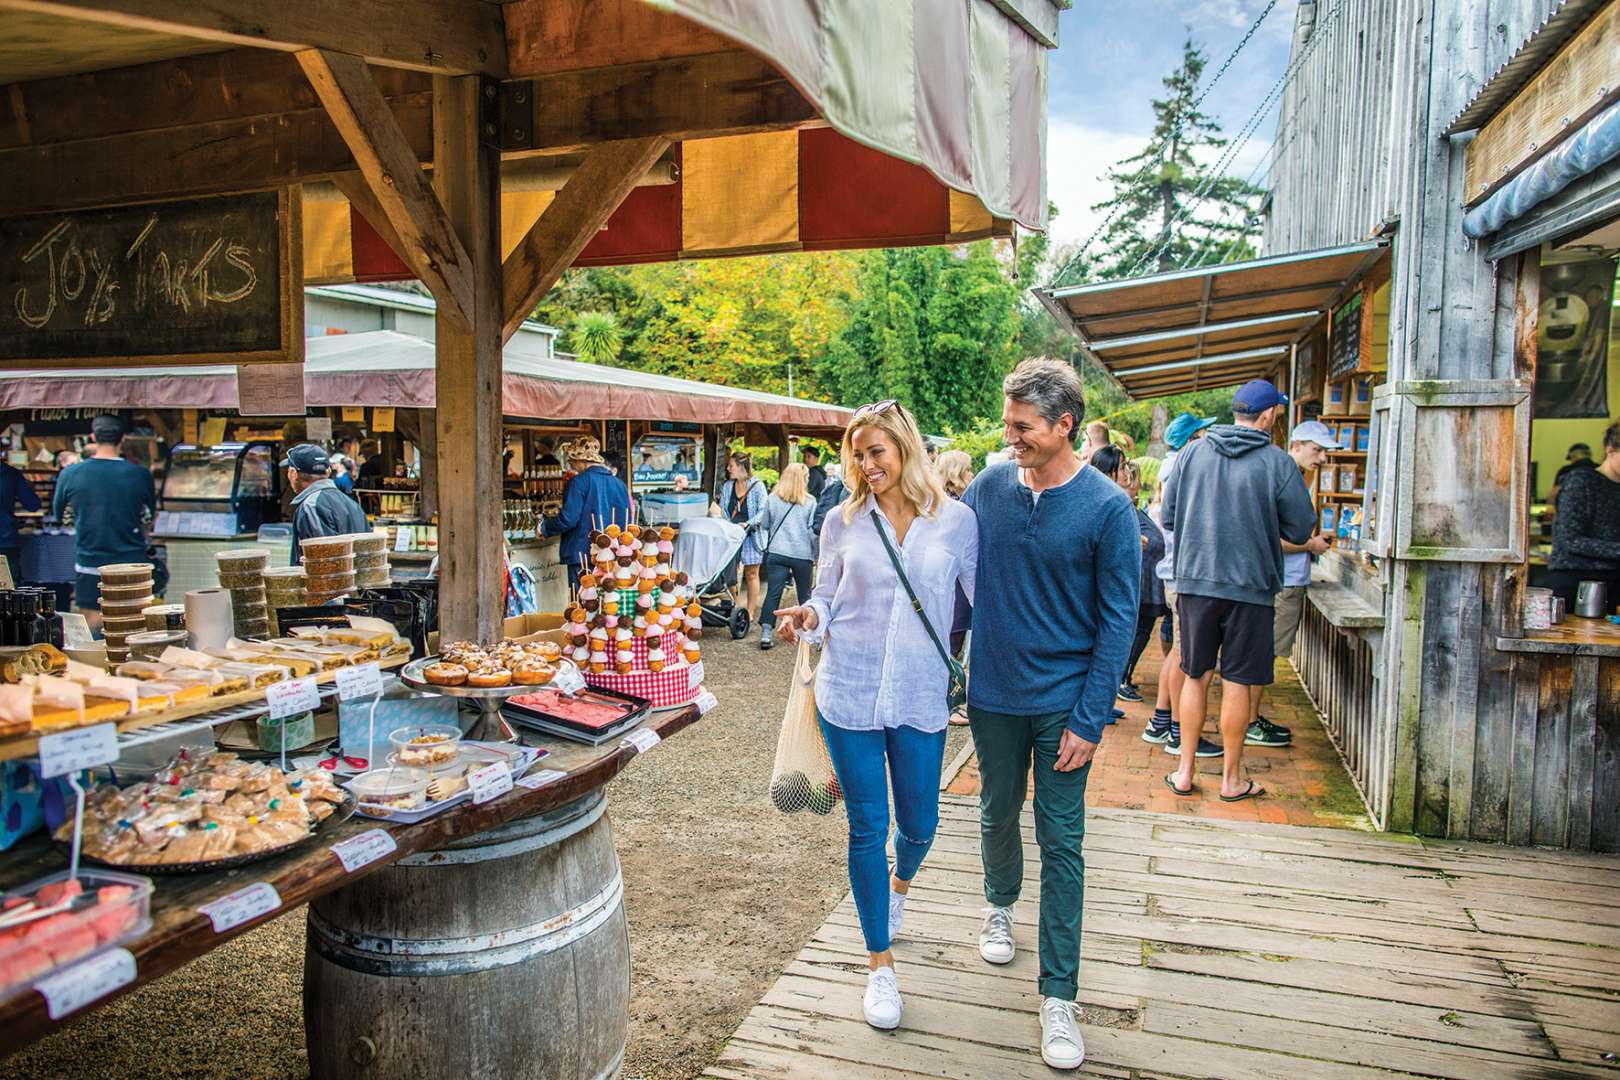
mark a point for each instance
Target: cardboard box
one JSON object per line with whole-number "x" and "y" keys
{"x": 538, "y": 626}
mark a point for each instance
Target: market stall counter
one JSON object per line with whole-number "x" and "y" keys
{"x": 472, "y": 908}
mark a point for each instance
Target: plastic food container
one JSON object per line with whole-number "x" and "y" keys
{"x": 371, "y": 543}
{"x": 371, "y": 560}
{"x": 241, "y": 579}
{"x": 123, "y": 627}
{"x": 115, "y": 574}
{"x": 149, "y": 644}
{"x": 242, "y": 560}
{"x": 327, "y": 565}
{"x": 165, "y": 617}
{"x": 380, "y": 792}
{"x": 35, "y": 949}
{"x": 327, "y": 547}
{"x": 372, "y": 579}
{"x": 426, "y": 746}
{"x": 287, "y": 734}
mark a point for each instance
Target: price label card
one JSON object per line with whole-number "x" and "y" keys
{"x": 490, "y": 782}
{"x": 71, "y": 990}
{"x": 641, "y": 740}
{"x": 76, "y": 631}
{"x": 694, "y": 678}
{"x": 568, "y": 679}
{"x": 242, "y": 906}
{"x": 402, "y": 538}
{"x": 292, "y": 697}
{"x": 537, "y": 780}
{"x": 704, "y": 702}
{"x": 75, "y": 751}
{"x": 365, "y": 849}
{"x": 359, "y": 682}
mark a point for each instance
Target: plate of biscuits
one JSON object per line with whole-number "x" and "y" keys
{"x": 466, "y": 669}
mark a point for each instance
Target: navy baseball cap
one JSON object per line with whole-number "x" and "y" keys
{"x": 1256, "y": 396}
{"x": 308, "y": 459}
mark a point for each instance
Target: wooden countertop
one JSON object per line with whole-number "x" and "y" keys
{"x": 180, "y": 933}
{"x": 1342, "y": 607}
{"x": 1574, "y": 636}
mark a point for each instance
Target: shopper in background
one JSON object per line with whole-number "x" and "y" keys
{"x": 1097, "y": 437}
{"x": 593, "y": 499}
{"x": 742, "y": 501}
{"x": 811, "y": 456}
{"x": 831, "y": 495}
{"x": 955, "y": 471}
{"x": 881, "y": 689}
{"x": 15, "y": 491}
{"x": 1231, "y": 500}
{"x": 1110, "y": 461}
{"x": 319, "y": 506}
{"x": 790, "y": 547}
{"x": 112, "y": 501}
{"x": 1586, "y": 529}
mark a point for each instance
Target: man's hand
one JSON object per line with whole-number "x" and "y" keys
{"x": 790, "y": 620}
{"x": 1316, "y": 545}
{"x": 1073, "y": 752}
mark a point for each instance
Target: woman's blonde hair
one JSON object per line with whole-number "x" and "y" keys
{"x": 794, "y": 487}
{"x": 918, "y": 483}
{"x": 955, "y": 471}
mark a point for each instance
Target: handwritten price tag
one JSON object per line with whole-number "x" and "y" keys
{"x": 242, "y": 906}
{"x": 365, "y": 849}
{"x": 292, "y": 697}
{"x": 537, "y": 780}
{"x": 75, "y": 751}
{"x": 359, "y": 682}
{"x": 71, "y": 990}
{"x": 641, "y": 740}
{"x": 568, "y": 679}
{"x": 694, "y": 678}
{"x": 705, "y": 701}
{"x": 490, "y": 782}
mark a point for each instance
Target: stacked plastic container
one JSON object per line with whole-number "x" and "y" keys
{"x": 371, "y": 560}
{"x": 126, "y": 593}
{"x": 328, "y": 567}
{"x": 284, "y": 588}
{"x": 241, "y": 570}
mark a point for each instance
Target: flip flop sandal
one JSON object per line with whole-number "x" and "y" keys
{"x": 1253, "y": 791}
{"x": 1170, "y": 782}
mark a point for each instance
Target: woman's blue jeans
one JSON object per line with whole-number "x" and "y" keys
{"x": 913, "y": 762}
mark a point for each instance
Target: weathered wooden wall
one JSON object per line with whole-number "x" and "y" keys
{"x": 1360, "y": 148}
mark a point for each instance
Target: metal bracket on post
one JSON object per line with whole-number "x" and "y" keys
{"x": 515, "y": 116}
{"x": 489, "y": 113}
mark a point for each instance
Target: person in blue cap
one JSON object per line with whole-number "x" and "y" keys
{"x": 1164, "y": 729}
{"x": 319, "y": 506}
{"x": 1232, "y": 499}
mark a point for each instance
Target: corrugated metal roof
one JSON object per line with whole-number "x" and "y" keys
{"x": 1210, "y": 327}
{"x": 1528, "y": 59}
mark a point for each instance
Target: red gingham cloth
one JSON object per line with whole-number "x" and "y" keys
{"x": 666, "y": 688}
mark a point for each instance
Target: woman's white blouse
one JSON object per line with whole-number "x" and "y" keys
{"x": 879, "y": 668}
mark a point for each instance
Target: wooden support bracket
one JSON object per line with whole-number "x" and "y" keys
{"x": 582, "y": 207}
{"x": 399, "y": 189}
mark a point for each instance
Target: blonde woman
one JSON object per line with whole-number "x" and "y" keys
{"x": 790, "y": 547}
{"x": 955, "y": 470}
{"x": 881, "y": 687}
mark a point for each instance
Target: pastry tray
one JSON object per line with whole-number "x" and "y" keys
{"x": 634, "y": 710}
{"x": 344, "y": 812}
{"x": 411, "y": 676}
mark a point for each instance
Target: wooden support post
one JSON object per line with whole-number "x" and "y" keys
{"x": 428, "y": 483}
{"x": 466, "y": 175}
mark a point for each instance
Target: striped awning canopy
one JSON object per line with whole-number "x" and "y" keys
{"x": 1209, "y": 327}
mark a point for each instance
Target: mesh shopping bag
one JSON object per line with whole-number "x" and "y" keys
{"x": 802, "y": 778}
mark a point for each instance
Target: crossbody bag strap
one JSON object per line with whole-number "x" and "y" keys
{"x": 916, "y": 605}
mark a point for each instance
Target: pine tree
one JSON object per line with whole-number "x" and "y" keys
{"x": 1159, "y": 221}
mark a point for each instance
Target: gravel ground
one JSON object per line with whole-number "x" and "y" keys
{"x": 721, "y": 890}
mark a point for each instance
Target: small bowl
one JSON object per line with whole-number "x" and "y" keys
{"x": 426, "y": 746}
{"x": 407, "y": 786}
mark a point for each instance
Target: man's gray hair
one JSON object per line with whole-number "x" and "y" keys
{"x": 1053, "y": 387}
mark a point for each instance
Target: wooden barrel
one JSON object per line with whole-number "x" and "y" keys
{"x": 506, "y": 954}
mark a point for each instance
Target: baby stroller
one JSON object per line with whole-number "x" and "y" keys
{"x": 707, "y": 549}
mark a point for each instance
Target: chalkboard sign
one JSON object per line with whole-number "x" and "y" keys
{"x": 1346, "y": 344}
{"x": 203, "y": 280}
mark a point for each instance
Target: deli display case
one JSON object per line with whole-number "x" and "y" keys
{"x": 224, "y": 490}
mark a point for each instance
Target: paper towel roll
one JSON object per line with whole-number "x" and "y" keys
{"x": 208, "y": 617}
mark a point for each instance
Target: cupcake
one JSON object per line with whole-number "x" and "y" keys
{"x": 691, "y": 652}
{"x": 599, "y": 637}
{"x": 666, "y": 602}
{"x": 644, "y": 601}
{"x": 623, "y": 635}
{"x": 655, "y": 658}
{"x": 624, "y": 667}
{"x": 599, "y": 661}
{"x": 666, "y": 548}
{"x": 610, "y": 604}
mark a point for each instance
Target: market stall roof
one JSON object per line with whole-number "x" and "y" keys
{"x": 1208, "y": 327}
{"x": 384, "y": 367}
{"x": 1562, "y": 24}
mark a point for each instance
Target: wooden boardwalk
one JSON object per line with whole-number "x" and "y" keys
{"x": 1230, "y": 949}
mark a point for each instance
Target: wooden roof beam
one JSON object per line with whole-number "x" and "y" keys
{"x": 429, "y": 35}
{"x": 394, "y": 175}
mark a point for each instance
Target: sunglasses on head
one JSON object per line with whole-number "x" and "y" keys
{"x": 877, "y": 408}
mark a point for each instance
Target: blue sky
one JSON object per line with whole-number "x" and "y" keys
{"x": 1111, "y": 60}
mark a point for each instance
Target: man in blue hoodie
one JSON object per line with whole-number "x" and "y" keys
{"x": 593, "y": 499}
{"x": 1233, "y": 498}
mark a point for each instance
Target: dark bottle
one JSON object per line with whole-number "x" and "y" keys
{"x": 10, "y": 622}
{"x": 39, "y": 628}
{"x": 53, "y": 621}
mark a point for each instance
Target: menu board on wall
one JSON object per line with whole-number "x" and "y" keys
{"x": 1345, "y": 345}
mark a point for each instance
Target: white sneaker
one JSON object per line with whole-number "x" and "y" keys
{"x": 996, "y": 935}
{"x": 1061, "y": 1044}
{"x": 897, "y": 913}
{"x": 882, "y": 1003}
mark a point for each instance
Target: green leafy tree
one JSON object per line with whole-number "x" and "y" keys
{"x": 1166, "y": 208}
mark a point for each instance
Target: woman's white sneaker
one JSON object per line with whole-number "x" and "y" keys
{"x": 882, "y": 1003}
{"x": 897, "y": 913}
{"x": 995, "y": 936}
{"x": 1061, "y": 1044}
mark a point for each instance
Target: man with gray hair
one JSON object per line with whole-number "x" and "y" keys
{"x": 1059, "y": 562}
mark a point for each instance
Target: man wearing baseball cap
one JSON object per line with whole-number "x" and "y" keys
{"x": 1308, "y": 445}
{"x": 1231, "y": 500}
{"x": 319, "y": 506}
{"x": 111, "y": 500}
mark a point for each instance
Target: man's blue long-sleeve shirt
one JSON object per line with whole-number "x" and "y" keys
{"x": 594, "y": 498}
{"x": 14, "y": 489}
{"x": 1057, "y": 594}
